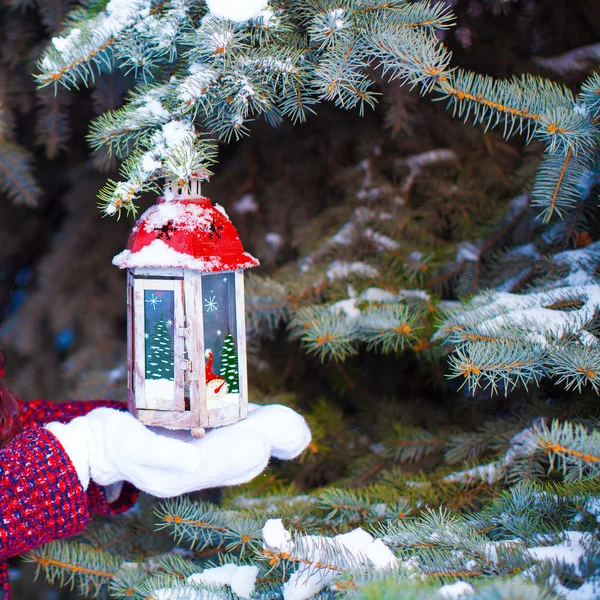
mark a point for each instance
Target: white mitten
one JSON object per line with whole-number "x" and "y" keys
{"x": 108, "y": 446}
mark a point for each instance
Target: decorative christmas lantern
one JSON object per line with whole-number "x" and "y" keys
{"x": 185, "y": 314}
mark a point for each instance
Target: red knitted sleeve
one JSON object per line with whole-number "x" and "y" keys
{"x": 37, "y": 413}
{"x": 41, "y": 498}
{"x": 4, "y": 582}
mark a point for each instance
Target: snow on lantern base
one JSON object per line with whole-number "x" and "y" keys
{"x": 186, "y": 316}
{"x": 225, "y": 402}
{"x": 160, "y": 392}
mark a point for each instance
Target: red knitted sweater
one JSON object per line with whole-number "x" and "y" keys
{"x": 41, "y": 498}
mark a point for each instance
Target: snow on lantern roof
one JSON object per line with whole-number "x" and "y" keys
{"x": 185, "y": 233}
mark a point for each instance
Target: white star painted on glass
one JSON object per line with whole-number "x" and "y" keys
{"x": 225, "y": 279}
{"x": 219, "y": 332}
{"x": 146, "y": 336}
{"x": 210, "y": 304}
{"x": 154, "y": 301}
{"x": 169, "y": 322}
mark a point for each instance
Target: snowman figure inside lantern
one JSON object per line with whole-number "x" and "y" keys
{"x": 186, "y": 326}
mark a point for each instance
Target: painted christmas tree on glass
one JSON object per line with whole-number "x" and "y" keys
{"x": 159, "y": 352}
{"x": 160, "y": 357}
{"x": 229, "y": 364}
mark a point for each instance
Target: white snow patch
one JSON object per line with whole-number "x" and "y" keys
{"x": 460, "y": 589}
{"x": 487, "y": 473}
{"x": 342, "y": 269}
{"x": 240, "y": 578}
{"x": 276, "y": 536}
{"x": 588, "y": 591}
{"x": 267, "y": 17}
{"x": 274, "y": 240}
{"x": 411, "y": 566}
{"x": 245, "y": 204}
{"x": 275, "y": 64}
{"x": 117, "y": 15}
{"x": 519, "y": 203}
{"x": 149, "y": 163}
{"x": 196, "y": 84}
{"x": 309, "y": 580}
{"x": 528, "y": 250}
{"x": 159, "y": 392}
{"x": 521, "y": 444}
{"x": 430, "y": 157}
{"x": 62, "y": 43}
{"x": 570, "y": 551}
{"x": 175, "y": 132}
{"x": 237, "y": 10}
{"x": 122, "y": 9}
{"x": 347, "y": 307}
{"x": 381, "y": 240}
{"x": 117, "y": 373}
{"x": 337, "y": 16}
{"x": 224, "y": 402}
{"x": 237, "y": 120}
{"x": 246, "y": 89}
{"x": 222, "y": 210}
{"x": 158, "y": 254}
{"x": 467, "y": 252}
{"x": 418, "y": 294}
{"x": 527, "y": 312}
{"x": 378, "y": 295}
{"x": 344, "y": 235}
{"x": 150, "y": 106}
{"x": 592, "y": 506}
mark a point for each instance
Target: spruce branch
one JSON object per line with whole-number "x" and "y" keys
{"x": 199, "y": 524}
{"x": 16, "y": 176}
{"x": 572, "y": 449}
{"x": 408, "y": 55}
{"x": 526, "y": 105}
{"x": 590, "y": 95}
{"x": 499, "y": 366}
{"x": 576, "y": 366}
{"x": 411, "y": 445}
{"x": 389, "y": 328}
{"x": 53, "y": 128}
{"x": 324, "y": 334}
{"x": 76, "y": 565}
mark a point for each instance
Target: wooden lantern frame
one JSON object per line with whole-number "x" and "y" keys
{"x": 194, "y": 411}
{"x": 175, "y": 246}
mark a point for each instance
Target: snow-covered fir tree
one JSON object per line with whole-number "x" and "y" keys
{"x": 445, "y": 274}
{"x": 229, "y": 364}
{"x": 159, "y": 353}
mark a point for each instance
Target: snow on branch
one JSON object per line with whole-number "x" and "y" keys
{"x": 504, "y": 339}
{"x": 578, "y": 59}
{"x": 317, "y": 560}
{"x": 240, "y": 60}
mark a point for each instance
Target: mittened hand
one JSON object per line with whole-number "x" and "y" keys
{"x": 108, "y": 445}
{"x": 237, "y": 453}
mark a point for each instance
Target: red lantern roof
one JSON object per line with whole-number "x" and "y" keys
{"x": 185, "y": 234}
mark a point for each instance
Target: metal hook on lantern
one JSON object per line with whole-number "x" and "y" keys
{"x": 186, "y": 363}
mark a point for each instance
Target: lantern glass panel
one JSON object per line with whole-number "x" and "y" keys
{"x": 159, "y": 319}
{"x": 220, "y": 340}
